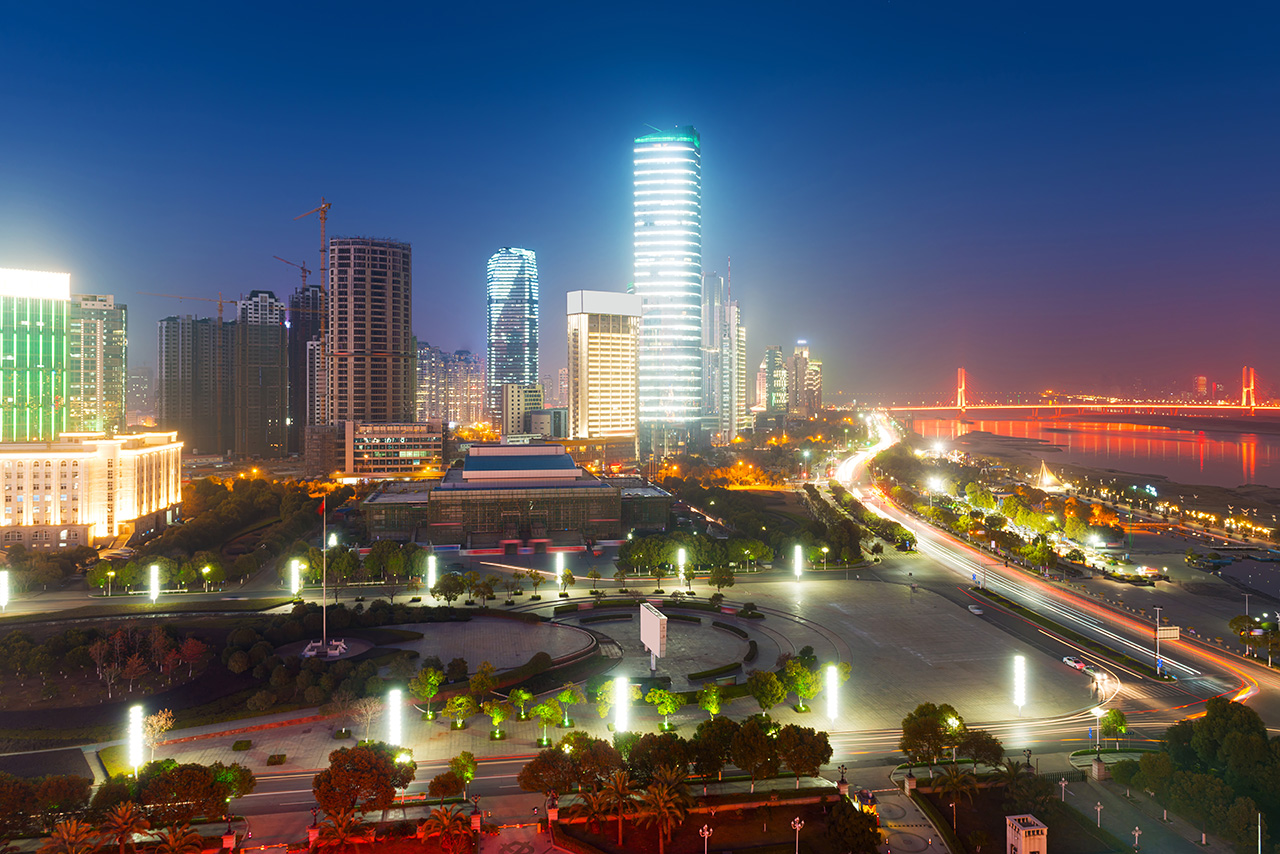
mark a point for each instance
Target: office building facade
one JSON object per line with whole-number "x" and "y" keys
{"x": 804, "y": 382}
{"x": 370, "y": 357}
{"x": 260, "y": 372}
{"x": 304, "y": 324}
{"x": 516, "y": 401}
{"x": 194, "y": 382}
{"x": 34, "y": 355}
{"x": 772, "y": 380}
{"x": 668, "y": 277}
{"x": 604, "y": 339}
{"x": 512, "y": 316}
{"x": 723, "y": 364}
{"x": 98, "y": 363}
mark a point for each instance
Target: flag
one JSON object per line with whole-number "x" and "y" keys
{"x": 323, "y": 499}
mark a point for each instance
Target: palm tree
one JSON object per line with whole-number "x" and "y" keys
{"x": 71, "y": 837}
{"x": 1010, "y": 772}
{"x": 122, "y": 823}
{"x": 592, "y": 806}
{"x": 621, "y": 791}
{"x": 342, "y": 830}
{"x": 450, "y": 825}
{"x": 178, "y": 839}
{"x": 664, "y": 807}
{"x": 670, "y": 776}
{"x": 957, "y": 783}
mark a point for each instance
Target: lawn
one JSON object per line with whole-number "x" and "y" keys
{"x": 762, "y": 830}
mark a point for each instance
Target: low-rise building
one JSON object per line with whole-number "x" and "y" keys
{"x": 353, "y": 451}
{"x": 88, "y": 488}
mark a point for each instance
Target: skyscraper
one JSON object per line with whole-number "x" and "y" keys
{"x": 371, "y": 358}
{"x": 260, "y": 376}
{"x": 724, "y": 369}
{"x": 194, "y": 382}
{"x": 305, "y": 318}
{"x": 603, "y": 332}
{"x": 774, "y": 370}
{"x": 33, "y": 355}
{"x": 451, "y": 386}
{"x": 668, "y": 277}
{"x": 512, "y": 310}
{"x": 98, "y": 364}
{"x": 804, "y": 382}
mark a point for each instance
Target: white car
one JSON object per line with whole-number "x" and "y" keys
{"x": 975, "y": 609}
{"x": 1072, "y": 661}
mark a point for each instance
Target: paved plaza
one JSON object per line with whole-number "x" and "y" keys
{"x": 501, "y": 642}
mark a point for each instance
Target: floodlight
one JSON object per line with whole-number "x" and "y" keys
{"x": 799, "y": 558}
{"x": 833, "y": 684}
{"x": 431, "y": 571}
{"x": 394, "y": 707}
{"x": 135, "y": 737}
{"x": 155, "y": 581}
{"x": 1019, "y": 682}
{"x": 621, "y": 704}
{"x": 295, "y": 572}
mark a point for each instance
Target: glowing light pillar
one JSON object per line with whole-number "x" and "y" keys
{"x": 135, "y": 738}
{"x": 431, "y": 572}
{"x": 621, "y": 703}
{"x": 4, "y": 589}
{"x": 155, "y": 581}
{"x": 394, "y": 707}
{"x": 1019, "y": 682}
{"x": 295, "y": 576}
{"x": 560, "y": 568}
{"x": 833, "y": 688}
{"x": 799, "y": 558}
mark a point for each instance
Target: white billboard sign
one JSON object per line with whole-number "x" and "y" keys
{"x": 1167, "y": 632}
{"x": 653, "y": 630}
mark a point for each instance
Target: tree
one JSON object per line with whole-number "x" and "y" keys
{"x": 666, "y": 702}
{"x": 664, "y": 807}
{"x": 122, "y": 823}
{"x": 134, "y": 669}
{"x": 550, "y": 771}
{"x": 620, "y": 576}
{"x": 71, "y": 837}
{"x": 570, "y": 695}
{"x": 16, "y": 796}
{"x": 1113, "y": 725}
{"x": 653, "y": 750}
{"x": 191, "y": 651}
{"x": 178, "y": 839}
{"x": 753, "y": 751}
{"x": 546, "y": 713}
{"x": 341, "y": 704}
{"x": 592, "y": 807}
{"x": 1203, "y": 798}
{"x": 464, "y": 766}
{"x": 363, "y": 778}
{"x": 1240, "y": 825}
{"x": 720, "y": 577}
{"x": 566, "y": 581}
{"x": 982, "y": 747}
{"x": 458, "y": 709}
{"x": 803, "y": 682}
{"x": 426, "y": 685}
{"x": 803, "y": 750}
{"x": 594, "y": 759}
{"x": 451, "y": 826}
{"x": 482, "y": 682}
{"x": 497, "y": 711}
{"x": 852, "y": 830}
{"x": 456, "y": 670}
{"x": 520, "y": 697}
{"x": 445, "y": 785}
{"x": 365, "y": 711}
{"x": 154, "y": 728}
{"x": 659, "y": 572}
{"x": 449, "y": 587}
{"x": 765, "y": 687}
{"x": 342, "y": 830}
{"x": 620, "y": 792}
{"x": 595, "y": 576}
{"x": 536, "y": 579}
{"x": 711, "y": 744}
{"x": 928, "y": 730}
{"x": 60, "y": 796}
{"x": 956, "y": 783}
{"x": 179, "y": 794}
{"x": 709, "y": 699}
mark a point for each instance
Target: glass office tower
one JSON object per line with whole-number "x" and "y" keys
{"x": 512, "y": 323}
{"x": 668, "y": 278}
{"x": 34, "y": 358}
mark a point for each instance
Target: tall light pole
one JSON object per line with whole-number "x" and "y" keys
{"x": 1019, "y": 682}
{"x": 1136, "y": 833}
{"x": 431, "y": 573}
{"x": 799, "y": 559}
{"x": 824, "y": 556}
{"x": 705, "y": 833}
{"x": 155, "y": 582}
{"x": 1098, "y": 712}
{"x": 796, "y": 824}
{"x": 205, "y": 572}
{"x": 135, "y": 738}
{"x": 111, "y": 574}
{"x": 1098, "y": 809}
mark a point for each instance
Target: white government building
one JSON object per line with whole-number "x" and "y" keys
{"x": 87, "y": 488}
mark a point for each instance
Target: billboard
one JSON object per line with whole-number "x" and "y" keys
{"x": 653, "y": 629}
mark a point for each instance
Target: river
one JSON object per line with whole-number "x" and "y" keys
{"x": 1220, "y": 458}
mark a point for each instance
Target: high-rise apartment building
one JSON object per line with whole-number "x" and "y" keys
{"x": 305, "y": 319}
{"x": 516, "y": 401}
{"x": 98, "y": 364}
{"x": 724, "y": 369}
{"x": 668, "y": 277}
{"x": 562, "y": 387}
{"x": 603, "y": 332}
{"x": 33, "y": 355}
{"x": 713, "y": 323}
{"x": 451, "y": 386}
{"x": 804, "y": 382}
{"x": 512, "y": 311}
{"x": 431, "y": 400}
{"x": 260, "y": 377}
{"x": 194, "y": 382}
{"x": 370, "y": 358}
{"x": 141, "y": 400}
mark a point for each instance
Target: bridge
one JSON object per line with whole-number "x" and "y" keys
{"x": 1248, "y": 404}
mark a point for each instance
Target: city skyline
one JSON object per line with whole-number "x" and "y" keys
{"x": 968, "y": 180}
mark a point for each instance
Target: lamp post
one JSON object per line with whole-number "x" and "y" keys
{"x": 1098, "y": 809}
{"x": 1098, "y": 712}
{"x": 205, "y": 573}
{"x": 1062, "y": 784}
{"x": 705, "y": 833}
{"x": 796, "y": 824}
{"x": 1136, "y": 833}
{"x": 824, "y": 556}
{"x": 111, "y": 573}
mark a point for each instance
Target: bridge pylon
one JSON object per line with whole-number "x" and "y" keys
{"x": 961, "y": 381}
{"x": 1248, "y": 388}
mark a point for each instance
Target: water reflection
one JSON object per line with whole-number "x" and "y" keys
{"x": 1190, "y": 456}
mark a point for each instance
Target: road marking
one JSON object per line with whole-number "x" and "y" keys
{"x": 274, "y": 794}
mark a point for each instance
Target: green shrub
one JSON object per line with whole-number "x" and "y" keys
{"x": 728, "y": 628}
{"x": 753, "y": 650}
{"x": 242, "y": 744}
{"x": 276, "y": 759}
{"x": 722, "y": 670}
{"x": 342, "y": 733}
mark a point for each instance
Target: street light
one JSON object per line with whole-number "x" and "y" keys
{"x": 1019, "y": 682}
{"x": 135, "y": 738}
{"x": 796, "y": 824}
{"x": 155, "y": 582}
{"x": 431, "y": 573}
{"x": 394, "y": 707}
{"x": 1136, "y": 833}
{"x": 824, "y": 556}
{"x": 1098, "y": 809}
{"x": 621, "y": 704}
{"x": 705, "y": 833}
{"x": 205, "y": 573}
{"x": 111, "y": 573}
{"x": 799, "y": 559}
{"x": 833, "y": 684}
{"x": 295, "y": 577}
{"x": 1098, "y": 712}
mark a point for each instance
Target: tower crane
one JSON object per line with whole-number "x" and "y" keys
{"x": 302, "y": 267}
{"x": 322, "y": 212}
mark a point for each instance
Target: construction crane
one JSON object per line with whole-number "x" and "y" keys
{"x": 302, "y": 267}
{"x": 220, "y": 301}
{"x": 323, "y": 213}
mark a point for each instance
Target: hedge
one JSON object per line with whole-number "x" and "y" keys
{"x": 684, "y": 618}
{"x": 752, "y": 651}
{"x": 728, "y": 628}
{"x": 722, "y": 670}
{"x": 607, "y": 618}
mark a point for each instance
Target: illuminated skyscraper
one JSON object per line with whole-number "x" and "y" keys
{"x": 668, "y": 277}
{"x": 603, "y": 334}
{"x": 98, "y": 364}
{"x": 513, "y": 323}
{"x": 33, "y": 355}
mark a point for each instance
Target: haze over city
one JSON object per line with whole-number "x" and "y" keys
{"x": 1082, "y": 200}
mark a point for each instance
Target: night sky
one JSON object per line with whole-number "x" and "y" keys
{"x": 1070, "y": 195}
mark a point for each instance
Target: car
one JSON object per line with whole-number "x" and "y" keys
{"x": 1072, "y": 661}
{"x": 975, "y": 609}
{"x": 1090, "y": 670}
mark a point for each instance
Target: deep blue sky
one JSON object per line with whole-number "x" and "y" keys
{"x": 1051, "y": 195}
